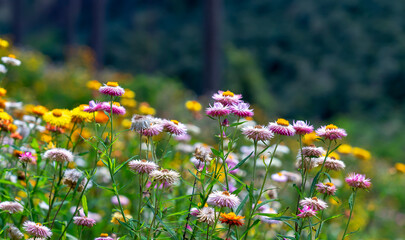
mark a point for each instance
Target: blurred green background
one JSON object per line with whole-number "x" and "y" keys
{"x": 325, "y": 61}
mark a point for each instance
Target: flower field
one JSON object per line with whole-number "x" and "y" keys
{"x": 110, "y": 167}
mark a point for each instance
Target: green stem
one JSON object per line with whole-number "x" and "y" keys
{"x": 350, "y": 216}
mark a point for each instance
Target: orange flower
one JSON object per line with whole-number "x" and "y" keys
{"x": 232, "y": 219}
{"x": 101, "y": 117}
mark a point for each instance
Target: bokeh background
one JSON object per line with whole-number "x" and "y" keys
{"x": 325, "y": 61}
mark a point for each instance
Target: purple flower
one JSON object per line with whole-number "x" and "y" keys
{"x": 331, "y": 132}
{"x": 258, "y": 133}
{"x": 27, "y": 157}
{"x": 241, "y": 109}
{"x": 356, "y": 180}
{"x": 37, "y": 230}
{"x": 227, "y": 97}
{"x": 175, "y": 127}
{"x": 111, "y": 89}
{"x": 282, "y": 127}
{"x": 218, "y": 110}
{"x": 302, "y": 127}
{"x": 306, "y": 212}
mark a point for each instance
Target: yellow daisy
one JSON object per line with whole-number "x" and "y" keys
{"x": 39, "y": 110}
{"x": 58, "y": 117}
{"x": 5, "y": 116}
{"x": 78, "y": 115}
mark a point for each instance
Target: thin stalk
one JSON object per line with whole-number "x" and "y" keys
{"x": 60, "y": 206}
{"x": 28, "y": 189}
{"x": 350, "y": 216}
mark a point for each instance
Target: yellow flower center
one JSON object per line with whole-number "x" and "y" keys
{"x": 258, "y": 126}
{"x": 57, "y": 113}
{"x": 143, "y": 160}
{"x": 11, "y": 56}
{"x": 331, "y": 126}
{"x": 117, "y": 104}
{"x": 226, "y": 193}
{"x": 228, "y": 94}
{"x": 112, "y": 84}
{"x": 315, "y": 198}
{"x": 1, "y": 110}
{"x": 283, "y": 122}
{"x": 39, "y": 224}
{"x": 329, "y": 184}
{"x": 280, "y": 174}
{"x": 175, "y": 122}
{"x": 104, "y": 235}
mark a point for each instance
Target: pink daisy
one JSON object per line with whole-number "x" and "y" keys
{"x": 111, "y": 89}
{"x": 257, "y": 133}
{"x": 82, "y": 220}
{"x": 356, "y": 180}
{"x": 104, "y": 236}
{"x": 93, "y": 107}
{"x": 218, "y": 110}
{"x": 302, "y": 127}
{"x": 194, "y": 212}
{"x": 332, "y": 163}
{"x": 279, "y": 177}
{"x": 27, "y": 157}
{"x": 142, "y": 166}
{"x": 37, "y": 230}
{"x": 241, "y": 109}
{"x": 59, "y": 155}
{"x": 223, "y": 199}
{"x": 11, "y": 207}
{"x": 227, "y": 98}
{"x": 327, "y": 188}
{"x": 123, "y": 200}
{"x": 314, "y": 203}
{"x": 331, "y": 132}
{"x": 175, "y": 127}
{"x": 306, "y": 212}
{"x": 312, "y": 151}
{"x": 165, "y": 176}
{"x": 282, "y": 127}
{"x": 117, "y": 109}
{"x": 155, "y": 128}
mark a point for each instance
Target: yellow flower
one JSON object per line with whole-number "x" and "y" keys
{"x": 231, "y": 219}
{"x": 400, "y": 167}
{"x": 101, "y": 117}
{"x": 71, "y": 165}
{"x": 45, "y": 137}
{"x": 126, "y": 123}
{"x": 127, "y": 102}
{"x": 117, "y": 216}
{"x": 58, "y": 117}
{"x": 128, "y": 94}
{"x": 310, "y": 138}
{"x": 39, "y": 110}
{"x": 3, "y": 92}
{"x": 345, "y": 149}
{"x": 93, "y": 85}
{"x": 361, "y": 153}
{"x": 333, "y": 155}
{"x": 78, "y": 115}
{"x": 4, "y": 43}
{"x": 193, "y": 106}
{"x": 145, "y": 109}
{"x": 5, "y": 116}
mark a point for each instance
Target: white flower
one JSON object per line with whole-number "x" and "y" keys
{"x": 11, "y": 60}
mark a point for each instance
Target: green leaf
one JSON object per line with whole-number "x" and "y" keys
{"x": 217, "y": 153}
{"x": 242, "y": 204}
{"x": 84, "y": 204}
{"x": 351, "y": 201}
{"x": 241, "y": 162}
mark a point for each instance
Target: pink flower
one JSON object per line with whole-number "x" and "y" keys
{"x": 104, "y": 236}
{"x": 189, "y": 228}
{"x": 306, "y": 212}
{"x": 314, "y": 203}
{"x": 155, "y": 128}
{"x": 124, "y": 200}
{"x": 117, "y": 109}
{"x": 27, "y": 157}
{"x": 175, "y": 127}
{"x": 93, "y": 107}
{"x": 111, "y": 89}
{"x": 11, "y": 207}
{"x": 312, "y": 151}
{"x": 282, "y": 127}
{"x": 37, "y": 230}
{"x": 59, "y": 155}
{"x": 142, "y": 166}
{"x": 241, "y": 109}
{"x": 194, "y": 212}
{"x": 279, "y": 177}
{"x": 218, "y": 110}
{"x": 331, "y": 132}
{"x": 257, "y": 133}
{"x": 327, "y": 188}
{"x": 356, "y": 180}
{"x": 223, "y": 199}
{"x": 227, "y": 97}
{"x": 332, "y": 163}
{"x": 302, "y": 127}
{"x": 82, "y": 220}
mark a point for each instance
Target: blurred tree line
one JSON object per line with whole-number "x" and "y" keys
{"x": 290, "y": 57}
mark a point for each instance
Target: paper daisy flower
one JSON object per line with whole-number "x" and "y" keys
{"x": 327, "y": 188}
{"x": 218, "y": 110}
{"x": 174, "y": 127}
{"x": 223, "y": 199}
{"x": 258, "y": 133}
{"x": 312, "y": 151}
{"x": 93, "y": 107}
{"x": 3, "y": 69}
{"x": 27, "y": 157}
{"x": 306, "y": 212}
{"x": 83, "y": 220}
{"x": 39, "y": 110}
{"x": 11, "y": 60}
{"x": 241, "y": 109}
{"x": 72, "y": 177}
{"x": 314, "y": 203}
{"x": 37, "y": 230}
{"x": 282, "y": 127}
{"x": 140, "y": 122}
{"x": 14, "y": 233}
{"x": 302, "y": 127}
{"x": 79, "y": 115}
{"x": 227, "y": 97}
{"x": 142, "y": 166}
{"x": 331, "y": 132}
{"x": 165, "y": 175}
{"x": 123, "y": 200}
{"x": 111, "y": 89}
{"x": 308, "y": 162}
{"x": 11, "y": 207}
{"x": 279, "y": 177}
{"x": 207, "y": 215}
{"x": 155, "y": 128}
{"x": 356, "y": 180}
{"x": 231, "y": 219}
{"x": 115, "y": 108}
{"x": 194, "y": 212}
{"x": 104, "y": 236}
{"x": 59, "y": 155}
{"x": 58, "y": 117}
{"x": 332, "y": 163}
